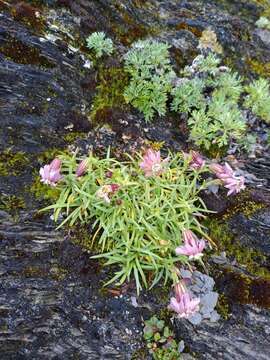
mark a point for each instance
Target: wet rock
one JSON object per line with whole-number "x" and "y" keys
{"x": 253, "y": 231}
{"x": 51, "y": 305}
{"x": 231, "y": 339}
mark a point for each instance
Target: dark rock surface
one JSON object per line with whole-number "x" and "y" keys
{"x": 232, "y": 339}
{"x": 51, "y": 306}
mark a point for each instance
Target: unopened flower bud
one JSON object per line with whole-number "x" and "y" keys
{"x": 108, "y": 174}
{"x": 81, "y": 169}
{"x": 114, "y": 187}
{"x": 55, "y": 165}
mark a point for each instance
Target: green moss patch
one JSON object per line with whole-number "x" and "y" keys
{"x": 11, "y": 203}
{"x": 252, "y": 260}
{"x": 42, "y": 192}
{"x": 112, "y": 82}
{"x": 21, "y": 53}
{"x": 12, "y": 163}
{"x": 245, "y": 289}
{"x": 260, "y": 68}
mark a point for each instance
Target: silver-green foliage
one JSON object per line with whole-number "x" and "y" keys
{"x": 188, "y": 95}
{"x": 100, "y": 44}
{"x": 258, "y": 98}
{"x": 210, "y": 95}
{"x": 263, "y": 23}
{"x": 229, "y": 85}
{"x": 148, "y": 63}
{"x": 206, "y": 64}
{"x": 217, "y": 124}
{"x": 142, "y": 225}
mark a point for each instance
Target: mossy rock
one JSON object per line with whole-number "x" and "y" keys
{"x": 251, "y": 259}
{"x": 12, "y": 163}
{"x": 18, "y": 52}
{"x": 111, "y": 84}
{"x": 12, "y": 203}
{"x": 259, "y": 67}
{"x": 244, "y": 289}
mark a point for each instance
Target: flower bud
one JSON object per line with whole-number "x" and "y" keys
{"x": 108, "y": 174}
{"x": 55, "y": 164}
{"x": 114, "y": 187}
{"x": 81, "y": 169}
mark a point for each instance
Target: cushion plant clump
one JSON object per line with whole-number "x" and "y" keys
{"x": 139, "y": 209}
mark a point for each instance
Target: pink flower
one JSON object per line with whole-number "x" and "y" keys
{"x": 106, "y": 191}
{"x": 230, "y": 181}
{"x": 235, "y": 185}
{"x": 152, "y": 165}
{"x": 82, "y": 167}
{"x": 196, "y": 161}
{"x": 182, "y": 303}
{"x": 192, "y": 247}
{"x": 50, "y": 174}
{"x": 180, "y": 289}
{"x": 222, "y": 172}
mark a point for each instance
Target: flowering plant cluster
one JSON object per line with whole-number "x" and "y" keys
{"x": 144, "y": 212}
{"x": 182, "y": 303}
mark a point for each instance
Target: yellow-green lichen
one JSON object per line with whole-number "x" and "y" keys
{"x": 12, "y": 163}
{"x": 71, "y": 137}
{"x": 260, "y": 68}
{"x": 208, "y": 40}
{"x": 140, "y": 354}
{"x": 33, "y": 272}
{"x": 223, "y": 307}
{"x": 215, "y": 152}
{"x": 244, "y": 205}
{"x": 58, "y": 273}
{"x": 55, "y": 272}
{"x": 41, "y": 191}
{"x": 11, "y": 203}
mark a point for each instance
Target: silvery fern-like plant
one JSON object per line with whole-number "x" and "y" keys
{"x": 229, "y": 85}
{"x": 148, "y": 64}
{"x": 257, "y": 99}
{"x": 206, "y": 64}
{"x": 188, "y": 95}
{"x": 209, "y": 95}
{"x": 100, "y": 44}
{"x": 263, "y": 23}
{"x": 217, "y": 124}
